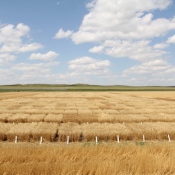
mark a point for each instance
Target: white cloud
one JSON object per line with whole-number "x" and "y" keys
{"x": 151, "y": 67}
{"x": 49, "y": 56}
{"x": 90, "y": 66}
{"x": 171, "y": 39}
{"x": 96, "y": 49}
{"x": 7, "y": 76}
{"x": 40, "y": 67}
{"x": 18, "y": 47}
{"x": 9, "y": 34}
{"x": 123, "y": 20}
{"x": 10, "y": 39}
{"x": 161, "y": 46}
{"x": 5, "y": 58}
{"x": 62, "y": 34}
{"x": 140, "y": 50}
{"x": 58, "y": 3}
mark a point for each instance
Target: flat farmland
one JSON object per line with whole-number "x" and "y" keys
{"x": 85, "y": 117}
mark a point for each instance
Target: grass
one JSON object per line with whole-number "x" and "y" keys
{"x": 88, "y": 159}
{"x": 79, "y": 87}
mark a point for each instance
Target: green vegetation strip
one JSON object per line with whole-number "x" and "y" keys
{"x": 51, "y": 90}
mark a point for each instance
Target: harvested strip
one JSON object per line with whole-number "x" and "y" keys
{"x": 18, "y": 118}
{"x": 90, "y": 118}
{"x": 54, "y": 118}
{"x": 47, "y": 131}
{"x": 36, "y": 118}
{"x": 71, "y": 118}
{"x": 103, "y": 118}
{"x": 4, "y": 128}
{"x": 23, "y": 131}
{"x": 69, "y": 129}
{"x": 105, "y": 131}
{"x": 4, "y": 117}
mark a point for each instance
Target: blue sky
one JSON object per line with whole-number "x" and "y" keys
{"x": 116, "y": 42}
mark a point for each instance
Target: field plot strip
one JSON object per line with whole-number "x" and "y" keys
{"x": 84, "y": 115}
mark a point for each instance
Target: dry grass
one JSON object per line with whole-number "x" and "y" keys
{"x": 130, "y": 118}
{"x": 69, "y": 129}
{"x": 105, "y": 131}
{"x": 98, "y": 160}
{"x": 90, "y": 118}
{"x": 71, "y": 118}
{"x": 54, "y": 118}
{"x": 155, "y": 130}
{"x": 4, "y": 128}
{"x": 47, "y": 131}
{"x": 18, "y": 118}
{"x": 4, "y": 117}
{"x": 23, "y": 131}
{"x": 36, "y": 118}
{"x": 103, "y": 118}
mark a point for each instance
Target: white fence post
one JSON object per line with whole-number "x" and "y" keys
{"x": 41, "y": 140}
{"x": 96, "y": 140}
{"x": 143, "y": 138}
{"x": 169, "y": 138}
{"x": 87, "y": 123}
{"x": 118, "y": 138}
{"x": 141, "y": 123}
{"x": 67, "y": 139}
{"x": 123, "y": 122}
{"x": 16, "y": 139}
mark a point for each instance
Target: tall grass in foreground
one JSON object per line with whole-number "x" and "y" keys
{"x": 86, "y": 160}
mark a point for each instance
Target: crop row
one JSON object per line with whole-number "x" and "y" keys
{"x": 51, "y": 132}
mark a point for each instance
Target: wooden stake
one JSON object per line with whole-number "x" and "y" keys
{"x": 67, "y": 139}
{"x": 96, "y": 140}
{"x": 143, "y": 138}
{"x": 118, "y": 138}
{"x": 41, "y": 140}
{"x": 169, "y": 138}
{"x": 16, "y": 139}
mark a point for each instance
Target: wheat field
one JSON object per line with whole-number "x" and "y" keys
{"x": 89, "y": 119}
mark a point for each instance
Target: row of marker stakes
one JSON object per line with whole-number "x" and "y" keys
{"x": 96, "y": 139}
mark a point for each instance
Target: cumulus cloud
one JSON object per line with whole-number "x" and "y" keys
{"x": 7, "y": 76}
{"x": 151, "y": 67}
{"x": 90, "y": 66}
{"x": 49, "y": 56}
{"x": 18, "y": 47}
{"x": 10, "y": 39}
{"x": 123, "y": 20}
{"x": 140, "y": 50}
{"x": 171, "y": 39}
{"x": 40, "y": 67}
{"x": 5, "y": 59}
{"x": 161, "y": 46}
{"x": 61, "y": 34}
{"x": 96, "y": 49}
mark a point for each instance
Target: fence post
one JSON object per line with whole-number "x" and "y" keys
{"x": 143, "y": 138}
{"x": 41, "y": 140}
{"x": 96, "y": 140}
{"x": 67, "y": 139}
{"x": 169, "y": 138}
{"x": 118, "y": 138}
{"x": 16, "y": 139}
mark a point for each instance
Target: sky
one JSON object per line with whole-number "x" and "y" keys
{"x": 116, "y": 42}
